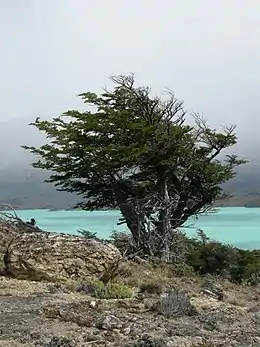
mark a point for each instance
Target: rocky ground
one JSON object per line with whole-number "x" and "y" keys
{"x": 45, "y": 314}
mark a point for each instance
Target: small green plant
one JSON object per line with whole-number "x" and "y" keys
{"x": 247, "y": 269}
{"x": 180, "y": 270}
{"x": 88, "y": 234}
{"x": 111, "y": 290}
{"x": 151, "y": 288}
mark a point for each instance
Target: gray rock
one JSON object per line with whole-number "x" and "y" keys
{"x": 211, "y": 289}
{"x": 47, "y": 256}
{"x": 60, "y": 342}
{"x": 255, "y": 308}
{"x": 126, "y": 330}
{"x": 111, "y": 322}
{"x": 183, "y": 329}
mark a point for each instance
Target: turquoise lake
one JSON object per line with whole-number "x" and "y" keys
{"x": 238, "y": 226}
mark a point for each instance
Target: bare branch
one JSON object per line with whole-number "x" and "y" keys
{"x": 12, "y": 221}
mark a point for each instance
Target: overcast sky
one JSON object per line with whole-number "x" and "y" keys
{"x": 208, "y": 52}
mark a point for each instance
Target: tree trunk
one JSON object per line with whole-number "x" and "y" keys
{"x": 132, "y": 220}
{"x": 135, "y": 221}
{"x": 164, "y": 226}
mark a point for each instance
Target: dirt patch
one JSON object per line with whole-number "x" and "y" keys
{"x": 51, "y": 315}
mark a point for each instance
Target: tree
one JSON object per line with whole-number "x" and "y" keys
{"x": 138, "y": 153}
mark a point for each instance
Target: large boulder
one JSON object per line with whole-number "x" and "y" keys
{"x": 48, "y": 256}
{"x": 7, "y": 233}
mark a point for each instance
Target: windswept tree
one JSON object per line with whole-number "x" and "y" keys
{"x": 136, "y": 152}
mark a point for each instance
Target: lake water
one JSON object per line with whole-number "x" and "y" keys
{"x": 234, "y": 225}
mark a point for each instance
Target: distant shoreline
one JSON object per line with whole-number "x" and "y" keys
{"x": 103, "y": 210}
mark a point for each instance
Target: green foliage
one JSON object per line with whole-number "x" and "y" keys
{"x": 138, "y": 153}
{"x": 215, "y": 258}
{"x": 151, "y": 288}
{"x": 88, "y": 234}
{"x": 180, "y": 270}
{"x": 248, "y": 267}
{"x": 211, "y": 257}
{"x": 252, "y": 274}
{"x": 110, "y": 290}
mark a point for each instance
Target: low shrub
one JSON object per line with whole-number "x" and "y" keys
{"x": 111, "y": 290}
{"x": 181, "y": 270}
{"x": 252, "y": 274}
{"x": 151, "y": 288}
{"x": 203, "y": 256}
{"x": 210, "y": 257}
{"x": 126, "y": 270}
{"x": 175, "y": 304}
{"x": 248, "y": 267}
{"x": 124, "y": 242}
{"x": 88, "y": 234}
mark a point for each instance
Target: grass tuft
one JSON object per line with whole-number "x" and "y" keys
{"x": 111, "y": 290}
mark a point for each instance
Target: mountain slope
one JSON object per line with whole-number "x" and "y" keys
{"x": 23, "y": 187}
{"x": 26, "y": 189}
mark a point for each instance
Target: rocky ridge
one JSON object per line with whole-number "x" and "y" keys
{"x": 51, "y": 296}
{"x": 46, "y": 314}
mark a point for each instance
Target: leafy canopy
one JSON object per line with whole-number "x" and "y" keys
{"x": 132, "y": 151}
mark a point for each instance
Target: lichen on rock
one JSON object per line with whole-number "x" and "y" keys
{"x": 49, "y": 256}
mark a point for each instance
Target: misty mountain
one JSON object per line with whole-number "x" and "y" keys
{"x": 23, "y": 186}
{"x": 13, "y": 134}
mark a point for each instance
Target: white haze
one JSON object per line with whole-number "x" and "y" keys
{"x": 207, "y": 52}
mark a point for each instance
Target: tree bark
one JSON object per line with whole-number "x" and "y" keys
{"x": 164, "y": 225}
{"x": 135, "y": 221}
